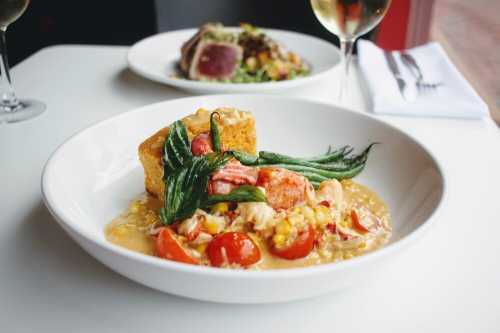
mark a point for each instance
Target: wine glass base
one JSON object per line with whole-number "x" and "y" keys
{"x": 27, "y": 109}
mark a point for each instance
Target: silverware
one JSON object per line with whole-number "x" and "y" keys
{"x": 415, "y": 70}
{"x": 393, "y": 66}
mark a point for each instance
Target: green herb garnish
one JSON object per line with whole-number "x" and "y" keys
{"x": 186, "y": 187}
{"x": 244, "y": 193}
{"x": 177, "y": 149}
{"x": 186, "y": 176}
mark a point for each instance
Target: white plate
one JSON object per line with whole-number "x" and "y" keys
{"x": 92, "y": 177}
{"x": 156, "y": 58}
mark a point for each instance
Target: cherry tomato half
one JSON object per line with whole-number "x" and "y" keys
{"x": 356, "y": 223}
{"x": 301, "y": 246}
{"x": 168, "y": 248}
{"x": 233, "y": 248}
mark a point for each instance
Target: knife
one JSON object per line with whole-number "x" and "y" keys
{"x": 393, "y": 66}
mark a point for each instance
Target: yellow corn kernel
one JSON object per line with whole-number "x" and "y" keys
{"x": 344, "y": 223}
{"x": 202, "y": 247}
{"x": 213, "y": 224}
{"x": 283, "y": 228}
{"x": 295, "y": 219}
{"x": 279, "y": 239}
{"x": 308, "y": 213}
{"x": 210, "y": 226}
{"x": 221, "y": 208}
{"x": 322, "y": 215}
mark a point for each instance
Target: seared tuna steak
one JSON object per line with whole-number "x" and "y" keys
{"x": 215, "y": 60}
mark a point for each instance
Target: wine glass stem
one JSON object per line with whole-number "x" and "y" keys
{"x": 346, "y": 46}
{"x": 9, "y": 100}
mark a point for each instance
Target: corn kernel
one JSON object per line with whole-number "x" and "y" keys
{"x": 279, "y": 239}
{"x": 221, "y": 208}
{"x": 211, "y": 227}
{"x": 202, "y": 247}
{"x": 213, "y": 224}
{"x": 322, "y": 215}
{"x": 295, "y": 219}
{"x": 283, "y": 228}
{"x": 308, "y": 213}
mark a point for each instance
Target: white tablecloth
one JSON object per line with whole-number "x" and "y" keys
{"x": 447, "y": 282}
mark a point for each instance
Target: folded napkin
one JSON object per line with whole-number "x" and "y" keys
{"x": 454, "y": 98}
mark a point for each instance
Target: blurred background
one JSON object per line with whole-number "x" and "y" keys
{"x": 51, "y": 22}
{"x": 468, "y": 30}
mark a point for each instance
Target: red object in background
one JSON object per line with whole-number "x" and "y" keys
{"x": 406, "y": 24}
{"x": 392, "y": 30}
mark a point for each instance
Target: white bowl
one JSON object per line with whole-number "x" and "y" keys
{"x": 156, "y": 58}
{"x": 92, "y": 177}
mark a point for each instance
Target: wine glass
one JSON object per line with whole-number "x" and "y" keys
{"x": 11, "y": 108}
{"x": 349, "y": 19}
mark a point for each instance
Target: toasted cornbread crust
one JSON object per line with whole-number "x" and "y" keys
{"x": 237, "y": 131}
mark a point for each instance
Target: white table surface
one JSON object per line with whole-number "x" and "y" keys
{"x": 447, "y": 282}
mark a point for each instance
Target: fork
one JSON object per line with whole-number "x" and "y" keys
{"x": 415, "y": 70}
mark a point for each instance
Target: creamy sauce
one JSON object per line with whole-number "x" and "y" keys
{"x": 133, "y": 230}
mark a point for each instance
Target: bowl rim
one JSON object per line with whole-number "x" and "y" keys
{"x": 240, "y": 87}
{"x": 67, "y": 222}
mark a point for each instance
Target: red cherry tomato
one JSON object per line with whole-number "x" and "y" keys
{"x": 356, "y": 223}
{"x": 301, "y": 246}
{"x": 168, "y": 248}
{"x": 233, "y": 248}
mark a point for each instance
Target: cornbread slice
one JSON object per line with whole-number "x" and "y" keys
{"x": 237, "y": 131}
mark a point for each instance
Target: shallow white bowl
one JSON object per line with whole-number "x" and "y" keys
{"x": 156, "y": 58}
{"x": 92, "y": 177}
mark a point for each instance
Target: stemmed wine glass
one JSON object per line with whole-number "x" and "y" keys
{"x": 349, "y": 19}
{"x": 11, "y": 108}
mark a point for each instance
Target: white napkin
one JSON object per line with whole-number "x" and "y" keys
{"x": 454, "y": 98}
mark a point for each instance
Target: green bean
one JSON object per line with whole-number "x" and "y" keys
{"x": 325, "y": 173}
{"x": 273, "y": 158}
{"x": 326, "y": 158}
{"x": 330, "y": 156}
{"x": 244, "y": 158}
{"x": 315, "y": 184}
{"x": 313, "y": 176}
{"x": 214, "y": 133}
